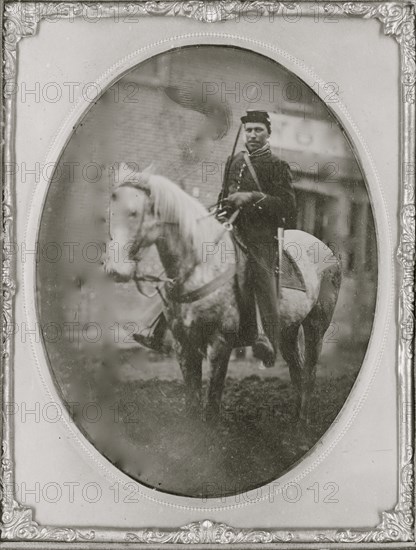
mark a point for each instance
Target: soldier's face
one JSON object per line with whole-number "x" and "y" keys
{"x": 256, "y": 135}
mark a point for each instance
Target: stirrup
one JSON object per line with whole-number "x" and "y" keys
{"x": 150, "y": 342}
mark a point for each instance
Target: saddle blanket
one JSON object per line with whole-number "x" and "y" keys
{"x": 291, "y": 276}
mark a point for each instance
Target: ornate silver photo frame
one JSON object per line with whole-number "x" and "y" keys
{"x": 107, "y": 443}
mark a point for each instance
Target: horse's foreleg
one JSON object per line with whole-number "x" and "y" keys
{"x": 218, "y": 355}
{"x": 190, "y": 361}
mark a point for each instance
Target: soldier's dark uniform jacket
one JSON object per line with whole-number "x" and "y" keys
{"x": 274, "y": 207}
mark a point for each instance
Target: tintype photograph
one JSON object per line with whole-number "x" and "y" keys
{"x": 208, "y": 273}
{"x": 217, "y": 271}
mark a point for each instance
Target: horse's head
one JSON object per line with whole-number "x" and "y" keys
{"x": 147, "y": 209}
{"x": 133, "y": 225}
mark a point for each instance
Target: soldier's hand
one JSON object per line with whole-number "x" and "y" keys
{"x": 238, "y": 200}
{"x": 222, "y": 215}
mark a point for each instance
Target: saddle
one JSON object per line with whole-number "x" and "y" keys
{"x": 290, "y": 277}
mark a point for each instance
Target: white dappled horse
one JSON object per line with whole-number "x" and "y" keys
{"x": 201, "y": 300}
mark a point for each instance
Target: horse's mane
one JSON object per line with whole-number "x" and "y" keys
{"x": 174, "y": 206}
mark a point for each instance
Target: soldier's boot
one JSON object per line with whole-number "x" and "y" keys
{"x": 155, "y": 338}
{"x": 262, "y": 347}
{"x": 263, "y": 350}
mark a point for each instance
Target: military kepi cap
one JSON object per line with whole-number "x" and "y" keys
{"x": 257, "y": 116}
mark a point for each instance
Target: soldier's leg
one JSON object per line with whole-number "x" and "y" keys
{"x": 247, "y": 305}
{"x": 263, "y": 266}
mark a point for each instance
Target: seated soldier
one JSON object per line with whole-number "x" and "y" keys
{"x": 259, "y": 185}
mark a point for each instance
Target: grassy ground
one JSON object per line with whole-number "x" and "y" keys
{"x": 255, "y": 442}
{"x": 148, "y": 435}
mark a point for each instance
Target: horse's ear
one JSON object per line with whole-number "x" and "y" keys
{"x": 150, "y": 169}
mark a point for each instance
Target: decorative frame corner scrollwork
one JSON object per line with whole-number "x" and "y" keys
{"x": 21, "y": 19}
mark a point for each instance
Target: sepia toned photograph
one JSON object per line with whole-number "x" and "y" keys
{"x": 207, "y": 271}
{"x": 208, "y": 228}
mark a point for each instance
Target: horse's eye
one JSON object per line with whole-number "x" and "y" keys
{"x": 113, "y": 196}
{"x": 133, "y": 214}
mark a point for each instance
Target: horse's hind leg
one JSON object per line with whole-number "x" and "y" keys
{"x": 313, "y": 335}
{"x": 300, "y": 347}
{"x": 218, "y": 355}
{"x": 314, "y": 327}
{"x": 190, "y": 361}
{"x": 292, "y": 353}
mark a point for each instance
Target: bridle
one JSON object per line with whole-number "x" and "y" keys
{"x": 134, "y": 249}
{"x": 172, "y": 283}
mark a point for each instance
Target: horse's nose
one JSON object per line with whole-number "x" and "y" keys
{"x": 117, "y": 277}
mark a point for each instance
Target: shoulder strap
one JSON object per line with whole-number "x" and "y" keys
{"x": 252, "y": 171}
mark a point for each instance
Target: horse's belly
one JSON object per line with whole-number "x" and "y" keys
{"x": 218, "y": 310}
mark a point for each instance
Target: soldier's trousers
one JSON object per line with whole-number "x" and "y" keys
{"x": 261, "y": 267}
